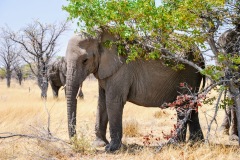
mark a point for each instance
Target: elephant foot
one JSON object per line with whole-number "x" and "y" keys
{"x": 100, "y": 143}
{"x": 181, "y": 137}
{"x": 196, "y": 137}
{"x": 233, "y": 137}
{"x": 113, "y": 146}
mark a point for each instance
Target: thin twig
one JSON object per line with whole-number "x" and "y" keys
{"x": 214, "y": 117}
{"x": 48, "y": 126}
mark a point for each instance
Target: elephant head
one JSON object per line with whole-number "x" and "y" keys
{"x": 86, "y": 55}
{"x": 57, "y": 75}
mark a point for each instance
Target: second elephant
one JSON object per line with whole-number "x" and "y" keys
{"x": 57, "y": 76}
{"x": 229, "y": 44}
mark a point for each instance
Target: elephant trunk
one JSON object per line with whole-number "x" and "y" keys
{"x": 72, "y": 86}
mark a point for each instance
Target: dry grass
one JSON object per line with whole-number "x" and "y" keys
{"x": 130, "y": 128}
{"x": 160, "y": 114}
{"x": 22, "y": 111}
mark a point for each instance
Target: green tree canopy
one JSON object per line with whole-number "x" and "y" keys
{"x": 187, "y": 21}
{"x": 2, "y": 73}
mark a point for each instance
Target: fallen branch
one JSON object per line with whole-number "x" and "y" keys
{"x": 5, "y": 135}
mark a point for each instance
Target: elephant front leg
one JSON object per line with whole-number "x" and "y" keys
{"x": 115, "y": 111}
{"x": 101, "y": 121}
{"x": 55, "y": 90}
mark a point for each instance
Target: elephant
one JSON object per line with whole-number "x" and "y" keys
{"x": 57, "y": 76}
{"x": 229, "y": 43}
{"x": 148, "y": 83}
{"x": 230, "y": 123}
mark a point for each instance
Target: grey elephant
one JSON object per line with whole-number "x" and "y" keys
{"x": 229, "y": 43}
{"x": 148, "y": 83}
{"x": 229, "y": 124}
{"x": 57, "y": 76}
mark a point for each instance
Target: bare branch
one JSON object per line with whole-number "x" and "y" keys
{"x": 39, "y": 41}
{"x": 214, "y": 116}
{"x": 45, "y": 138}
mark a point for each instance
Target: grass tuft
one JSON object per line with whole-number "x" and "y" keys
{"x": 81, "y": 144}
{"x": 160, "y": 114}
{"x": 131, "y": 128}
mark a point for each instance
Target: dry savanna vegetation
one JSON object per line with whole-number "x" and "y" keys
{"x": 22, "y": 111}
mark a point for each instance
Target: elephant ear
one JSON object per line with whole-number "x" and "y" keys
{"x": 110, "y": 61}
{"x": 63, "y": 66}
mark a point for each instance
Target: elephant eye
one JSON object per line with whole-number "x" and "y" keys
{"x": 85, "y": 61}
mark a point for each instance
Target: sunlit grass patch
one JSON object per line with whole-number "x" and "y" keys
{"x": 160, "y": 114}
{"x": 131, "y": 128}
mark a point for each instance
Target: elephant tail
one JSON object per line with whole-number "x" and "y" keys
{"x": 204, "y": 82}
{"x": 203, "y": 65}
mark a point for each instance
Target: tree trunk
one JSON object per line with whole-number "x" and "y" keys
{"x": 43, "y": 85}
{"x": 8, "y": 77}
{"x": 19, "y": 75}
{"x": 42, "y": 78}
{"x": 235, "y": 92}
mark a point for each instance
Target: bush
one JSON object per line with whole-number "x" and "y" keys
{"x": 81, "y": 145}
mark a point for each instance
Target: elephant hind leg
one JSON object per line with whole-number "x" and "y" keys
{"x": 101, "y": 121}
{"x": 234, "y": 132}
{"x": 225, "y": 126}
{"x": 181, "y": 135}
{"x": 196, "y": 133}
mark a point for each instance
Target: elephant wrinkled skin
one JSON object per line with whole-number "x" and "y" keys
{"x": 57, "y": 76}
{"x": 148, "y": 83}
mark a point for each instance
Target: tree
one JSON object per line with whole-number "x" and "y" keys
{"x": 2, "y": 73}
{"x": 27, "y": 73}
{"x": 38, "y": 42}
{"x": 9, "y": 56}
{"x": 146, "y": 31}
{"x": 18, "y": 74}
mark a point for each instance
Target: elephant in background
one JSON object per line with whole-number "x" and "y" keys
{"x": 229, "y": 124}
{"x": 229, "y": 43}
{"x": 57, "y": 76}
{"x": 148, "y": 83}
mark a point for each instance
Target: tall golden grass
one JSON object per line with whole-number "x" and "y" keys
{"x": 22, "y": 111}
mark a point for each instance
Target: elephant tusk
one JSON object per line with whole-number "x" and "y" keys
{"x": 80, "y": 88}
{"x": 64, "y": 87}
